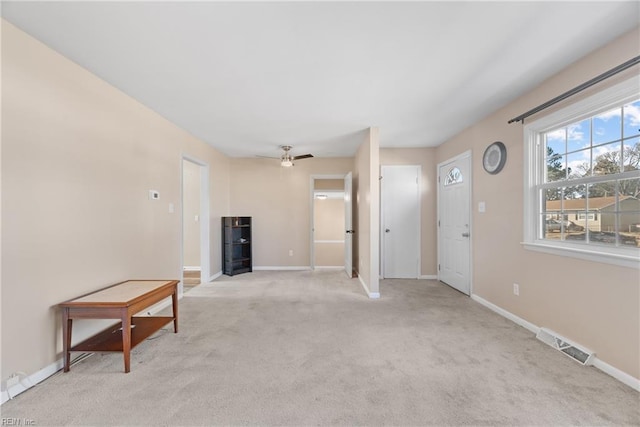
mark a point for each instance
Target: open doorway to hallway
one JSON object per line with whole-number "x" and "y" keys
{"x": 195, "y": 223}
{"x": 331, "y": 222}
{"x": 191, "y": 223}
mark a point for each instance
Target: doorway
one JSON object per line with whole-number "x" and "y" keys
{"x": 195, "y": 223}
{"x": 331, "y": 222}
{"x": 328, "y": 228}
{"x": 400, "y": 221}
{"x": 454, "y": 222}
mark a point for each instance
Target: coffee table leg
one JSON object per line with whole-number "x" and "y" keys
{"x": 67, "y": 324}
{"x": 126, "y": 341}
{"x": 174, "y": 301}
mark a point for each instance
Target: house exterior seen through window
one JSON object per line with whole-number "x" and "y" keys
{"x": 454, "y": 176}
{"x": 583, "y": 176}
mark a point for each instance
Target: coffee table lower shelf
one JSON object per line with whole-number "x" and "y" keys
{"x": 110, "y": 339}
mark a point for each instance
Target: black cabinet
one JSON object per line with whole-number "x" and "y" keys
{"x": 236, "y": 245}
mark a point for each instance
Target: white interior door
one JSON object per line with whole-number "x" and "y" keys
{"x": 454, "y": 224}
{"x": 348, "y": 225}
{"x": 400, "y": 192}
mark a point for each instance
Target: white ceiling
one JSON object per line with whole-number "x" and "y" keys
{"x": 248, "y": 77}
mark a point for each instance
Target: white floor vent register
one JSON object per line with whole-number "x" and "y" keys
{"x": 574, "y": 351}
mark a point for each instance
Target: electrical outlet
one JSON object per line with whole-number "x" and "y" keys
{"x": 516, "y": 289}
{"x": 290, "y": 252}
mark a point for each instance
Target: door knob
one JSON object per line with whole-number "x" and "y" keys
{"x": 465, "y": 234}
{"x": 349, "y": 231}
{"x": 387, "y": 230}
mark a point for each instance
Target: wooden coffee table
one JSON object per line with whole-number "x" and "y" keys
{"x": 120, "y": 301}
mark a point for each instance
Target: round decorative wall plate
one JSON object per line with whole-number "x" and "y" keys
{"x": 494, "y": 157}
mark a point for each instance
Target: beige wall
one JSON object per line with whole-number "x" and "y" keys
{"x": 279, "y": 200}
{"x": 191, "y": 209}
{"x": 78, "y": 160}
{"x": 329, "y": 219}
{"x": 329, "y": 255}
{"x": 328, "y": 184}
{"x": 367, "y": 213}
{"x": 329, "y": 226}
{"x": 426, "y": 158}
{"x": 593, "y": 304}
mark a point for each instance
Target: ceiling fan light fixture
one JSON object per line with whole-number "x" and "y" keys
{"x": 286, "y": 160}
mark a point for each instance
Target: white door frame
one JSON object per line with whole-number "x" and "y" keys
{"x": 205, "y": 246}
{"x": 382, "y": 224}
{"x": 312, "y": 181}
{"x": 468, "y": 154}
{"x": 348, "y": 224}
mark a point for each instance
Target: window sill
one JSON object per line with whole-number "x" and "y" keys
{"x": 622, "y": 260}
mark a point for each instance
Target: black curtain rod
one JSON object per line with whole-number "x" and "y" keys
{"x": 583, "y": 86}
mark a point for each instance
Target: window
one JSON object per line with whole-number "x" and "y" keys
{"x": 582, "y": 178}
{"x": 587, "y": 216}
{"x": 454, "y": 176}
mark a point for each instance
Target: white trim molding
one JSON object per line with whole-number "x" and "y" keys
{"x": 371, "y": 295}
{"x": 612, "y": 371}
{"x": 504, "y": 313}
{"x": 191, "y": 268}
{"x": 215, "y": 276}
{"x": 616, "y": 373}
{"x": 586, "y": 253}
{"x": 33, "y": 379}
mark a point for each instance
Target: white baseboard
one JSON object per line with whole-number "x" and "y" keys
{"x": 329, "y": 267}
{"x": 429, "y": 277}
{"x": 616, "y": 373}
{"x": 372, "y": 295}
{"x": 504, "y": 313}
{"x": 33, "y": 379}
{"x": 190, "y": 268}
{"x": 215, "y": 276}
{"x": 276, "y": 268}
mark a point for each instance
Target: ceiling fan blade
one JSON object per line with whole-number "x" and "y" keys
{"x": 267, "y": 157}
{"x": 303, "y": 156}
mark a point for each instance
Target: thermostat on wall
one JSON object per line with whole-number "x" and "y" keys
{"x": 154, "y": 195}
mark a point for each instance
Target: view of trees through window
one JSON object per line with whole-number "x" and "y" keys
{"x": 591, "y": 190}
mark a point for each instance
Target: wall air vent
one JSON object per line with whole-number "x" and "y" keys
{"x": 571, "y": 349}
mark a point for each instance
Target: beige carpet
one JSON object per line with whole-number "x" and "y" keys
{"x": 308, "y": 348}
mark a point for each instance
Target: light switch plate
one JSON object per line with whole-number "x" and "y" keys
{"x": 482, "y": 207}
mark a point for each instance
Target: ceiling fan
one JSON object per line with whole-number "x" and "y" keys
{"x": 286, "y": 159}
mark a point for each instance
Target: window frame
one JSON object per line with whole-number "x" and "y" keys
{"x": 535, "y": 167}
